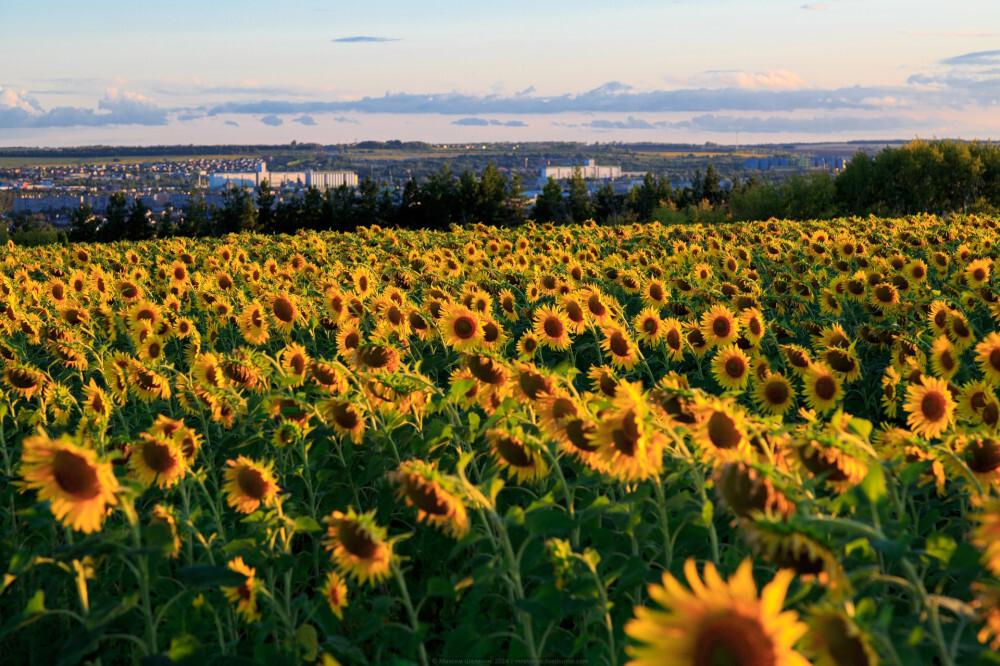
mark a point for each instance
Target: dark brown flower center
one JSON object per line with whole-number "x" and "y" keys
{"x": 75, "y": 475}
{"x": 722, "y": 431}
{"x": 731, "y": 639}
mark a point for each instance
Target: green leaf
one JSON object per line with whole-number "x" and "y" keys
{"x": 860, "y": 427}
{"x": 940, "y": 546}
{"x": 873, "y": 485}
{"x": 440, "y": 587}
{"x": 307, "y": 524}
{"x": 308, "y": 641}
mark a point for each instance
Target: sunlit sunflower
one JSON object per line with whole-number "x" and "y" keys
{"x": 649, "y": 328}
{"x": 284, "y": 312}
{"x": 972, "y": 400}
{"x": 295, "y": 364}
{"x": 719, "y": 431}
{"x": 551, "y": 328}
{"x": 249, "y": 484}
{"x": 938, "y": 315}
{"x": 79, "y": 487}
{"x": 334, "y": 590}
{"x": 158, "y": 460}
{"x": 731, "y": 367}
{"x": 752, "y": 325}
{"x": 835, "y": 639}
{"x": 163, "y": 530}
{"x": 977, "y": 272}
{"x": 573, "y": 311}
{"x": 774, "y": 394}
{"x": 245, "y": 595}
{"x": 833, "y": 460}
{"x": 959, "y": 331}
{"x": 982, "y": 456}
{"x": 253, "y": 325}
{"x": 986, "y": 536}
{"x": 628, "y": 447}
{"x": 24, "y": 380}
{"x": 988, "y": 357}
{"x": 719, "y": 326}
{"x": 436, "y": 497}
{"x": 619, "y": 347}
{"x": 822, "y": 388}
{"x": 148, "y": 384}
{"x": 345, "y": 417}
{"x": 929, "y": 407}
{"x": 717, "y": 622}
{"x": 673, "y": 338}
{"x": 359, "y": 546}
{"x": 597, "y": 306}
{"x": 460, "y": 327}
{"x": 524, "y": 462}
{"x": 527, "y": 346}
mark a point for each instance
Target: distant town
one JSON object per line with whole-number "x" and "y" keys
{"x": 33, "y": 183}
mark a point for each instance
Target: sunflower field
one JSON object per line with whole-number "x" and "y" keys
{"x": 766, "y": 443}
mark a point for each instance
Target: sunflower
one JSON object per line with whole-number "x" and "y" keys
{"x": 718, "y": 430}
{"x": 597, "y": 307}
{"x": 245, "y": 595}
{"x": 747, "y": 488}
{"x": 249, "y": 484}
{"x": 717, "y": 622}
{"x": 982, "y": 457}
{"x": 527, "y": 346}
{"x": 461, "y": 328}
{"x": 986, "y": 535}
{"x": 523, "y": 461}
{"x": 148, "y": 384}
{"x": 345, "y": 417}
{"x": 673, "y": 338}
{"x": 359, "y": 546}
{"x": 508, "y": 305}
{"x": 929, "y": 407}
{"x": 158, "y": 460}
{"x": 80, "y": 488}
{"x": 24, "y": 380}
{"x": 649, "y": 327}
{"x": 574, "y": 313}
{"x": 295, "y": 364}
{"x": 719, "y": 326}
{"x": 786, "y": 545}
{"x": 988, "y": 357}
{"x": 619, "y": 347}
{"x": 551, "y": 328}
{"x": 823, "y": 390}
{"x": 977, "y": 272}
{"x": 831, "y": 459}
{"x": 284, "y": 311}
{"x": 972, "y": 400}
{"x": 774, "y": 394}
{"x": 95, "y": 403}
{"x": 334, "y": 590}
{"x": 731, "y": 368}
{"x": 436, "y": 496}
{"x": 959, "y": 331}
{"x": 835, "y": 639}
{"x": 253, "y": 324}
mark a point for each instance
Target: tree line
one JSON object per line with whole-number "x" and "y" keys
{"x": 936, "y": 177}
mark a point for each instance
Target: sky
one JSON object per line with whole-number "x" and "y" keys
{"x": 684, "y": 71}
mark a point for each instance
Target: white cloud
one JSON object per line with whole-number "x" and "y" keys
{"x": 819, "y": 6}
{"x": 774, "y": 79}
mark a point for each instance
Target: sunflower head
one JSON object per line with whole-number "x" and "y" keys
{"x": 359, "y": 546}
{"x": 435, "y": 496}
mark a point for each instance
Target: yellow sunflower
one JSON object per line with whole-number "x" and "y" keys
{"x": 334, "y": 590}
{"x": 988, "y": 357}
{"x": 436, "y": 496}
{"x": 717, "y": 622}
{"x": 461, "y": 328}
{"x": 284, "y": 311}
{"x": 718, "y": 430}
{"x": 774, "y": 394}
{"x": 359, "y": 546}
{"x": 522, "y": 460}
{"x": 80, "y": 488}
{"x": 158, "y": 460}
{"x": 929, "y": 407}
{"x": 551, "y": 328}
{"x": 835, "y": 639}
{"x": 823, "y": 390}
{"x": 618, "y": 345}
{"x": 986, "y": 536}
{"x": 249, "y": 484}
{"x": 731, "y": 368}
{"x": 719, "y": 326}
{"x": 245, "y": 595}
{"x": 252, "y": 323}
{"x": 944, "y": 358}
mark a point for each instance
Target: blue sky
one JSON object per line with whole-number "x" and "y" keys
{"x": 685, "y": 71}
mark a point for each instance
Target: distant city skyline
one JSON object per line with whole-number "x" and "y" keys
{"x": 688, "y": 71}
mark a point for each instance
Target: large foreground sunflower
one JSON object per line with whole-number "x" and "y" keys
{"x": 79, "y": 487}
{"x": 717, "y": 622}
{"x": 249, "y": 484}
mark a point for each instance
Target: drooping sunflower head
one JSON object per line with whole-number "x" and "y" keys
{"x": 719, "y": 431}
{"x": 435, "y": 496}
{"x": 788, "y": 545}
{"x": 748, "y": 488}
{"x": 359, "y": 546}
{"x": 244, "y": 595}
{"x": 835, "y": 638}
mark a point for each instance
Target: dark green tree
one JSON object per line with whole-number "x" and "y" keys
{"x": 549, "y": 206}
{"x": 580, "y": 207}
{"x": 194, "y": 217}
{"x": 237, "y": 214}
{"x": 115, "y": 217}
{"x": 265, "y": 206}
{"x": 83, "y": 224}
{"x": 138, "y": 225}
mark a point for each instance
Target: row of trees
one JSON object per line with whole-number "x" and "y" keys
{"x": 938, "y": 177}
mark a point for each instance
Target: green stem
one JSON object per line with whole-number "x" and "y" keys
{"x": 414, "y": 623}
{"x": 661, "y": 505}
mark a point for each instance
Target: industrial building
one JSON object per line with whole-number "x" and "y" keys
{"x": 321, "y": 180}
{"x": 588, "y": 171}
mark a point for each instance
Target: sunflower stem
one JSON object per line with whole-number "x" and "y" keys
{"x": 143, "y": 576}
{"x": 661, "y": 505}
{"x": 414, "y": 623}
{"x": 517, "y": 587}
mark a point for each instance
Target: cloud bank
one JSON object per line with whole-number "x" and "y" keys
{"x": 363, "y": 38}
